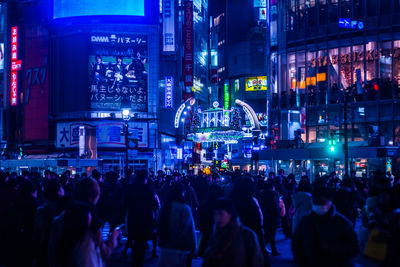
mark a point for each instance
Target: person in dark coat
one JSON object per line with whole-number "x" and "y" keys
{"x": 231, "y": 243}
{"x": 346, "y": 200}
{"x": 140, "y": 204}
{"x": 249, "y": 210}
{"x": 176, "y": 226}
{"x": 18, "y": 222}
{"x": 45, "y": 214}
{"x": 206, "y": 216}
{"x": 271, "y": 212}
{"x": 111, "y": 200}
{"x": 324, "y": 237}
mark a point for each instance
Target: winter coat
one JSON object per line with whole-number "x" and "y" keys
{"x": 327, "y": 240}
{"x": 41, "y": 234}
{"x": 270, "y": 209}
{"x": 111, "y": 203}
{"x": 346, "y": 203}
{"x": 239, "y": 248}
{"x": 140, "y": 203}
{"x": 302, "y": 204}
{"x": 181, "y": 229}
{"x": 250, "y": 213}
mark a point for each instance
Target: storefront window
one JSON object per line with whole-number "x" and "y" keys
{"x": 371, "y": 60}
{"x": 312, "y": 135}
{"x": 385, "y": 67}
{"x": 311, "y": 79}
{"x": 322, "y": 82}
{"x": 301, "y": 77}
{"x": 292, "y": 79}
{"x": 345, "y": 67}
{"x": 358, "y": 70}
{"x": 333, "y": 76}
{"x": 396, "y": 67}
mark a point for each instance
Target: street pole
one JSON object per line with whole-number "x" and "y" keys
{"x": 346, "y": 144}
{"x": 126, "y": 133}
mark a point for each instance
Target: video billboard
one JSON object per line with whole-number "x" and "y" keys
{"x": 118, "y": 69}
{"x": 78, "y": 8}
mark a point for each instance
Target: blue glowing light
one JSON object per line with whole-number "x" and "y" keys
{"x": 77, "y": 8}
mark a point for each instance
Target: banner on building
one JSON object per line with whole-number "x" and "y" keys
{"x": 169, "y": 26}
{"x": 188, "y": 43}
{"x": 108, "y": 133}
{"x": 36, "y": 84}
{"x": 256, "y": 83}
{"x": 169, "y": 86}
{"x": 118, "y": 69}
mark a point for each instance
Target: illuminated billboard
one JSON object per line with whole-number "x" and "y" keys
{"x": 256, "y": 83}
{"x": 78, "y": 8}
{"x": 118, "y": 70}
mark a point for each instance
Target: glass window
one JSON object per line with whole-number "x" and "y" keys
{"x": 322, "y": 82}
{"x": 371, "y": 60}
{"x": 312, "y": 135}
{"x": 333, "y": 11}
{"x": 333, "y": 76}
{"x": 372, "y": 8}
{"x": 358, "y": 70}
{"x": 396, "y": 67}
{"x": 358, "y": 9}
{"x": 385, "y": 67}
{"x": 323, "y": 13}
{"x": 311, "y": 79}
{"x": 345, "y": 67}
{"x": 345, "y": 9}
{"x": 386, "y": 7}
{"x": 301, "y": 78}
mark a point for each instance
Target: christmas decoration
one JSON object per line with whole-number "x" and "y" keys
{"x": 235, "y": 122}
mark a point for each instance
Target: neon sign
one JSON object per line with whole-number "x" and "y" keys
{"x": 15, "y": 65}
{"x": 169, "y": 84}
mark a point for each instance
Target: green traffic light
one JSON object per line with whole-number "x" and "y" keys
{"x": 332, "y": 149}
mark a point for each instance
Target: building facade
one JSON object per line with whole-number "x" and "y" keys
{"x": 80, "y": 62}
{"x": 330, "y": 52}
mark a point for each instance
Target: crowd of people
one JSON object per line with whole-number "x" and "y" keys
{"x": 227, "y": 219}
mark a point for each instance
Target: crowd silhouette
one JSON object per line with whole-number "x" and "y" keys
{"x": 225, "y": 218}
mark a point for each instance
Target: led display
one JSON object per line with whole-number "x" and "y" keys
{"x": 75, "y": 8}
{"x": 118, "y": 70}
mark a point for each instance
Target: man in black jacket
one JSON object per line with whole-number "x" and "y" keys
{"x": 324, "y": 237}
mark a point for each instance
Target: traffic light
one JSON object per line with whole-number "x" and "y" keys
{"x": 332, "y": 144}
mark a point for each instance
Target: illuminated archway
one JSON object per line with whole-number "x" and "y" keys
{"x": 188, "y": 103}
{"x": 250, "y": 114}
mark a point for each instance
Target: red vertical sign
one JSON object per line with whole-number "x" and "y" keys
{"x": 14, "y": 61}
{"x": 188, "y": 44}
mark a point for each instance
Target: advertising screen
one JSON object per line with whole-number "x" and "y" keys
{"x": 77, "y": 8}
{"x": 256, "y": 83}
{"x": 118, "y": 70}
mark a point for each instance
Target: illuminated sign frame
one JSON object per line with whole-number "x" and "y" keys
{"x": 256, "y": 84}
{"x": 169, "y": 85}
{"x": 15, "y": 65}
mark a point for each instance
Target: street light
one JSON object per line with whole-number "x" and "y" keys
{"x": 126, "y": 115}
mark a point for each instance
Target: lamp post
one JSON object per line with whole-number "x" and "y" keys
{"x": 126, "y": 116}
